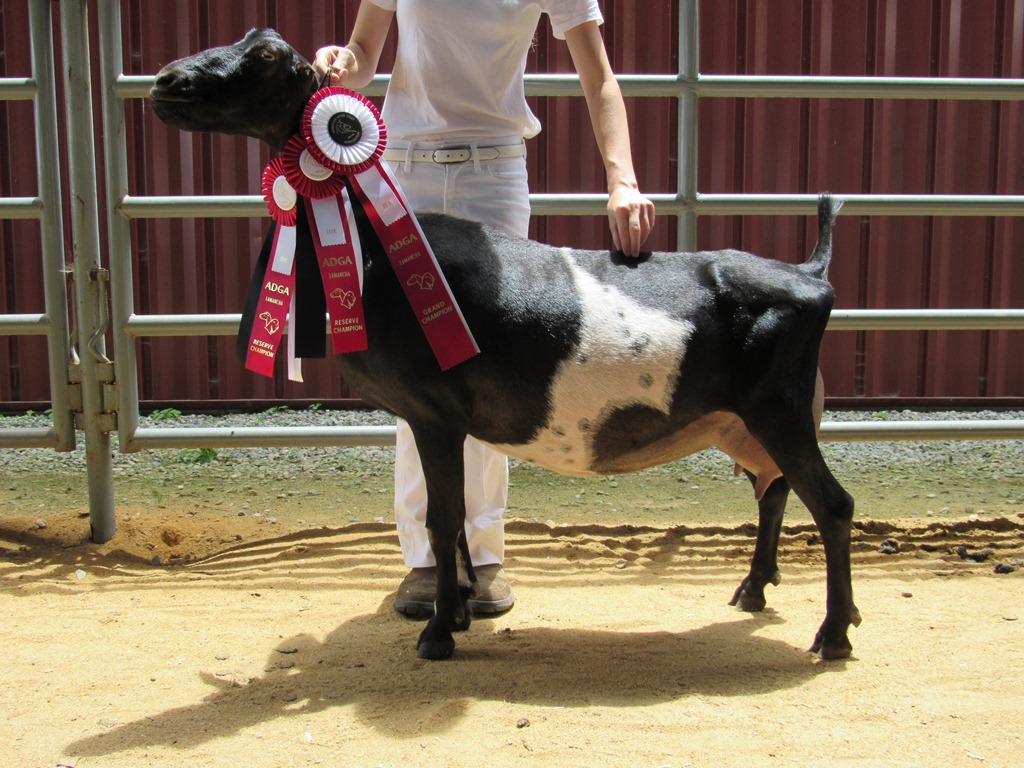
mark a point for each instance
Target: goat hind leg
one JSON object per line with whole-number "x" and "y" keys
{"x": 791, "y": 441}
{"x": 832, "y": 509}
{"x": 764, "y": 567}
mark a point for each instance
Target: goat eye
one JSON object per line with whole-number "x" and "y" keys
{"x": 268, "y": 56}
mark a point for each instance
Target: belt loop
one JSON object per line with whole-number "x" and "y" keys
{"x": 407, "y": 167}
{"x": 475, "y": 154}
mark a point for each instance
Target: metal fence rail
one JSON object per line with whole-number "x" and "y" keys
{"x": 46, "y": 209}
{"x": 687, "y": 87}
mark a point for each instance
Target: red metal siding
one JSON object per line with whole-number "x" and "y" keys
{"x": 746, "y": 145}
{"x": 901, "y": 160}
{"x": 24, "y": 373}
{"x": 783, "y": 145}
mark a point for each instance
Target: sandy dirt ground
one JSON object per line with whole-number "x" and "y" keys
{"x": 253, "y": 645}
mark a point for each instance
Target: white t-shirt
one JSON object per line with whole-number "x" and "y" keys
{"x": 460, "y": 63}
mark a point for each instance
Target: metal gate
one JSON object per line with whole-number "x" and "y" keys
{"x": 99, "y": 396}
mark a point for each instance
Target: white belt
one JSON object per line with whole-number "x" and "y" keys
{"x": 454, "y": 154}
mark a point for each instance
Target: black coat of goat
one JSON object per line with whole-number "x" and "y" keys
{"x": 590, "y": 362}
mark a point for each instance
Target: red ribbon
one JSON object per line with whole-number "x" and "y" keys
{"x": 275, "y": 301}
{"x": 415, "y": 265}
{"x": 336, "y": 241}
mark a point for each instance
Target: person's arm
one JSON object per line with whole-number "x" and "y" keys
{"x": 355, "y": 64}
{"x": 630, "y": 214}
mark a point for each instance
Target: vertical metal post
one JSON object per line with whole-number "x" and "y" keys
{"x": 90, "y": 277}
{"x": 115, "y": 152}
{"x": 689, "y": 71}
{"x": 52, "y": 226}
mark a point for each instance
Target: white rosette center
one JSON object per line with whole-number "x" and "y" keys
{"x": 345, "y": 130}
{"x": 284, "y": 194}
{"x": 311, "y": 168}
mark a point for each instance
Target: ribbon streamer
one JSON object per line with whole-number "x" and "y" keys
{"x": 415, "y": 266}
{"x": 275, "y": 301}
{"x": 336, "y": 240}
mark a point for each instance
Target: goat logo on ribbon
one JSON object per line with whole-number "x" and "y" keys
{"x": 340, "y": 146}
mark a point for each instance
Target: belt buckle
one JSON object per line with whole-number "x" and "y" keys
{"x": 462, "y": 154}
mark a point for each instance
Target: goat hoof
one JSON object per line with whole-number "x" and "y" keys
{"x": 745, "y": 598}
{"x": 434, "y": 642}
{"x": 750, "y": 603}
{"x": 435, "y": 650}
{"x": 833, "y": 652}
{"x": 829, "y": 650}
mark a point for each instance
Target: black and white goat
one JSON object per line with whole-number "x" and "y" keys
{"x": 590, "y": 363}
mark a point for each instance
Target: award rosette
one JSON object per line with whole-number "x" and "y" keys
{"x": 344, "y": 131}
{"x": 279, "y": 194}
{"x": 306, "y": 189}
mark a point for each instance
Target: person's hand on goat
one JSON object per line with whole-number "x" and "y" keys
{"x": 631, "y": 219}
{"x": 335, "y": 61}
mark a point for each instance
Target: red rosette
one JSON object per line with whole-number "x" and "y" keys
{"x": 307, "y": 175}
{"x": 343, "y": 130}
{"x": 281, "y": 198}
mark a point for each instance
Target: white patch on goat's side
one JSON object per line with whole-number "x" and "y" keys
{"x": 628, "y": 354}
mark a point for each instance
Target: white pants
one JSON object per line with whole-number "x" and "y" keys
{"x": 493, "y": 192}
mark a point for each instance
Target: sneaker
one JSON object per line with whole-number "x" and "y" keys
{"x": 493, "y": 593}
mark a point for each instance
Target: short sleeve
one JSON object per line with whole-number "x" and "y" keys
{"x": 387, "y": 5}
{"x": 566, "y": 14}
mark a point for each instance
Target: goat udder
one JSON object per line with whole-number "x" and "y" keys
{"x": 743, "y": 448}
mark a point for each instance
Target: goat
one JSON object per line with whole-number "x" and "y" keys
{"x": 590, "y": 363}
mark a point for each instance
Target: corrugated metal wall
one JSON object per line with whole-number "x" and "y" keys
{"x": 751, "y": 145}
{"x": 23, "y": 360}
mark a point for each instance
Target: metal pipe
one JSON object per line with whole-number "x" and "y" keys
{"x": 322, "y": 437}
{"x": 981, "y": 429}
{"x": 593, "y": 204}
{"x": 190, "y": 206}
{"x": 29, "y": 437}
{"x": 17, "y": 88}
{"x": 24, "y": 325}
{"x": 263, "y": 437}
{"x": 686, "y": 168}
{"x": 926, "y": 319}
{"x": 838, "y": 87}
{"x": 719, "y": 86}
{"x": 862, "y": 205}
{"x": 21, "y": 208}
{"x": 142, "y": 326}
{"x": 55, "y": 288}
{"x": 119, "y": 244}
{"x": 88, "y": 290}
{"x": 146, "y": 326}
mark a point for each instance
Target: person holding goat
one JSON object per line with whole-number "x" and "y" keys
{"x": 457, "y": 121}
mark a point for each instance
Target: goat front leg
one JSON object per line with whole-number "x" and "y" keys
{"x": 443, "y": 469}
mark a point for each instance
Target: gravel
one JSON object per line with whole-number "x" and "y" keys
{"x": 994, "y": 459}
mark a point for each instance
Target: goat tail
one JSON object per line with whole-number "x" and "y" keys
{"x": 828, "y": 210}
